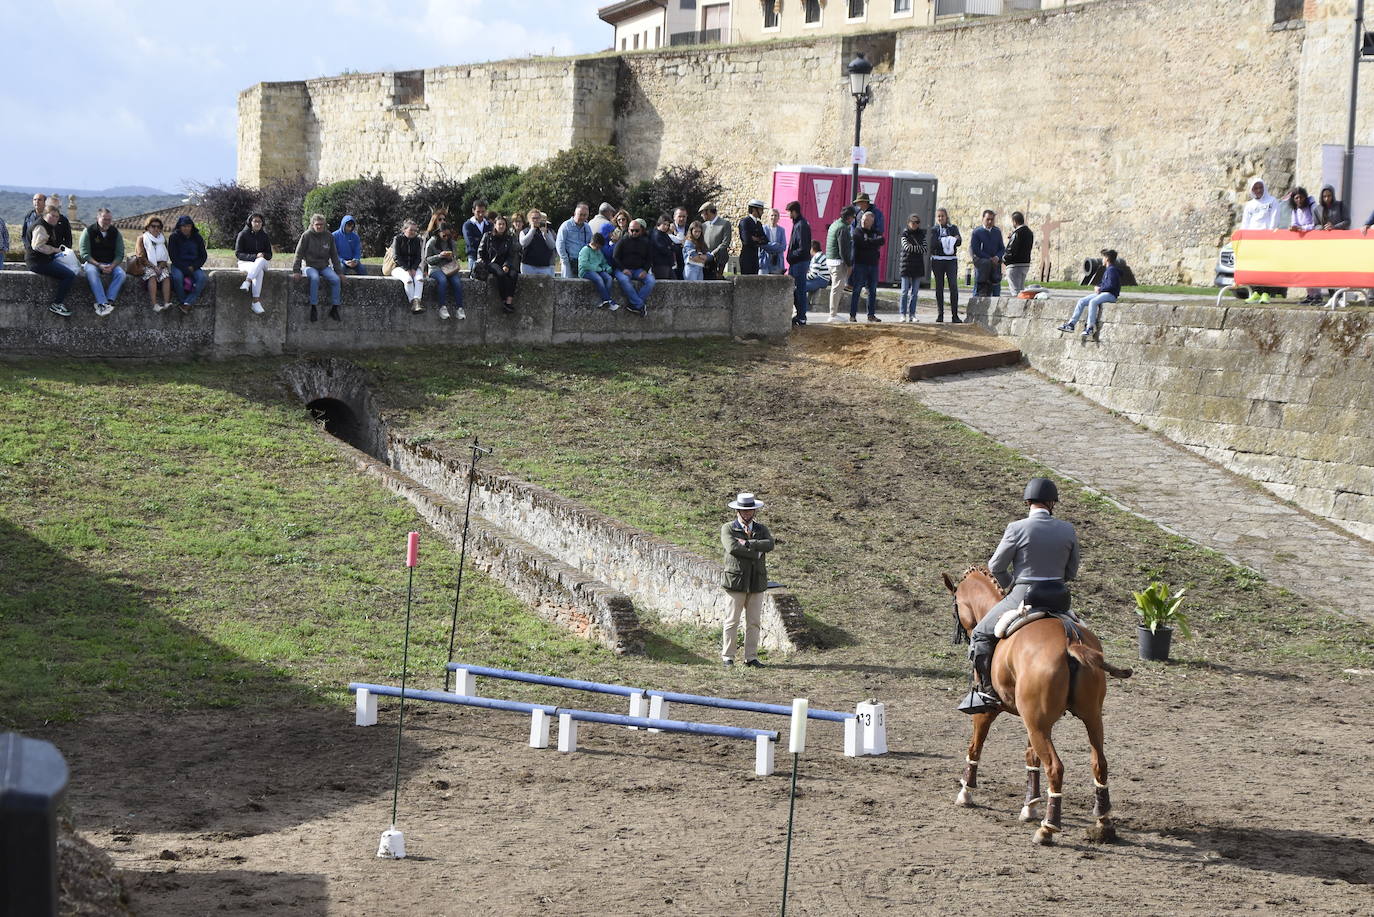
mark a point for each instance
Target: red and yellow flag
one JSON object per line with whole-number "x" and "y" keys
{"x": 1283, "y": 258}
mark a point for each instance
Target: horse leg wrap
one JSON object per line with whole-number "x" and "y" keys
{"x": 1102, "y": 800}
{"x": 1032, "y": 785}
{"x": 1052, "y": 812}
{"x": 970, "y": 773}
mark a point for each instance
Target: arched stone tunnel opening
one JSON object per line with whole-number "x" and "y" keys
{"x": 339, "y": 420}
{"x": 336, "y": 394}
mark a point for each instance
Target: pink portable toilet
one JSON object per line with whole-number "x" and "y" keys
{"x": 822, "y": 192}
{"x": 878, "y": 186}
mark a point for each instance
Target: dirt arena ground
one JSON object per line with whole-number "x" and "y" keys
{"x": 1234, "y": 791}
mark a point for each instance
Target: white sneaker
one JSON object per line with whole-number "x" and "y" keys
{"x": 162, "y": 305}
{"x": 246, "y": 286}
{"x": 103, "y": 309}
{"x": 613, "y": 305}
{"x": 460, "y": 314}
{"x": 443, "y": 311}
{"x": 257, "y": 308}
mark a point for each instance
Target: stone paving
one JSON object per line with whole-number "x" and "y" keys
{"x": 1162, "y": 482}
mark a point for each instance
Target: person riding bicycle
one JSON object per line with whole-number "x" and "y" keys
{"x": 1037, "y": 555}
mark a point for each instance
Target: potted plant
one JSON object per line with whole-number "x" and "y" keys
{"x": 1159, "y": 615}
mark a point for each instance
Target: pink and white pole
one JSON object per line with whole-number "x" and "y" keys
{"x": 393, "y": 843}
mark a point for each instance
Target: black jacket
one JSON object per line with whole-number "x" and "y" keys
{"x": 409, "y": 252}
{"x": 799, "y": 246}
{"x": 664, "y": 252}
{"x": 187, "y": 252}
{"x": 495, "y": 250}
{"x": 1019, "y": 246}
{"x": 913, "y": 252}
{"x": 868, "y": 246}
{"x": 248, "y": 245}
{"x": 634, "y": 253}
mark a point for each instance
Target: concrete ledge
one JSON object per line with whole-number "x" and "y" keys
{"x": 961, "y": 364}
{"x": 375, "y": 315}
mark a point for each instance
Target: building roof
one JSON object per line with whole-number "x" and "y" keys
{"x": 619, "y": 12}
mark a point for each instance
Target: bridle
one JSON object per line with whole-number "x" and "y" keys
{"x": 960, "y": 635}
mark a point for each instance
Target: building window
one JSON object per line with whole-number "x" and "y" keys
{"x": 857, "y": 9}
{"x": 688, "y": 5}
{"x": 636, "y": 44}
{"x": 658, "y": 36}
{"x": 408, "y": 88}
{"x": 770, "y": 13}
{"x": 813, "y": 12}
{"x": 901, "y": 7}
{"x": 1287, "y": 11}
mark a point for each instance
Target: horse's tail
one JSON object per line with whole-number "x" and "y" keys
{"x": 1093, "y": 658}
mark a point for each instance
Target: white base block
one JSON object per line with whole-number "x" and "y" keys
{"x": 567, "y": 733}
{"x": 464, "y": 683}
{"x": 763, "y": 756}
{"x": 851, "y": 738}
{"x": 637, "y": 706}
{"x": 366, "y": 706}
{"x": 873, "y": 727}
{"x": 393, "y": 845}
{"x": 658, "y": 710}
{"x": 539, "y": 729}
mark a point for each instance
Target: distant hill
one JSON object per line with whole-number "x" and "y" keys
{"x": 15, "y": 204}
{"x": 121, "y": 191}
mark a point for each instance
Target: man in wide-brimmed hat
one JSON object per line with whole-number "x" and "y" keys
{"x": 864, "y": 204}
{"x": 746, "y": 577}
{"x": 751, "y": 237}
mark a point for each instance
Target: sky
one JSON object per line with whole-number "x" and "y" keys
{"x": 145, "y": 92}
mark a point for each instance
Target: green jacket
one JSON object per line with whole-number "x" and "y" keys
{"x": 745, "y": 567}
{"x": 839, "y": 242}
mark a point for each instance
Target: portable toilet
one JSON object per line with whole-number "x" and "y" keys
{"x": 822, "y": 193}
{"x": 878, "y": 186}
{"x": 912, "y": 192}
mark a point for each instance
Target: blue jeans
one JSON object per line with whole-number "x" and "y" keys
{"x": 329, "y": 275}
{"x": 602, "y": 281}
{"x": 93, "y": 275}
{"x": 449, "y": 283}
{"x": 798, "y": 272}
{"x": 64, "y": 276}
{"x": 1093, "y": 303}
{"x": 360, "y": 270}
{"x": 864, "y": 276}
{"x": 531, "y": 270}
{"x": 911, "y": 290}
{"x": 198, "y": 280}
{"x": 646, "y": 283}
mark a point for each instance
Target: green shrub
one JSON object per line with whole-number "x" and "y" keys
{"x": 490, "y": 184}
{"x": 227, "y": 206}
{"x": 584, "y": 173}
{"x": 674, "y": 186}
{"x": 375, "y": 205}
{"x": 332, "y": 200}
{"x": 282, "y": 203}
{"x": 428, "y": 196}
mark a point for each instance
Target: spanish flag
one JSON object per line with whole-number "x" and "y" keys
{"x": 1283, "y": 258}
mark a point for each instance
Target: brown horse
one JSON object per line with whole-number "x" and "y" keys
{"x": 1032, "y": 673}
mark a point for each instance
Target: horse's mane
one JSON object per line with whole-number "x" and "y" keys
{"x": 986, "y": 574}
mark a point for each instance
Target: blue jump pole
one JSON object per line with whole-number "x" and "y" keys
{"x": 551, "y": 680}
{"x": 727, "y": 703}
{"x": 443, "y": 697}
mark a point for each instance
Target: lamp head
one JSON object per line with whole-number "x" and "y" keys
{"x": 859, "y": 71}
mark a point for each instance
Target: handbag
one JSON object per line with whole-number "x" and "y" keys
{"x": 135, "y": 265}
{"x": 450, "y": 267}
{"x": 481, "y": 271}
{"x": 389, "y": 259}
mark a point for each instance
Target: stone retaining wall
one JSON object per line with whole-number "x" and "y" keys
{"x": 676, "y": 584}
{"x": 1283, "y": 396}
{"x": 375, "y": 315}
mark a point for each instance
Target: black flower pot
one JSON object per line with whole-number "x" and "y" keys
{"x": 1155, "y": 646}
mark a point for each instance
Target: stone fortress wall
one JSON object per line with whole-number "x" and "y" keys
{"x": 1134, "y": 122}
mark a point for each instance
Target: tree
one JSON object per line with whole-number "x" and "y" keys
{"x": 584, "y": 173}
{"x": 490, "y": 185}
{"x": 678, "y": 186}
{"x": 227, "y": 206}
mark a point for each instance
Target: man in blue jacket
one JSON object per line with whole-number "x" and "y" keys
{"x": 798, "y": 259}
{"x": 987, "y": 249}
{"x": 476, "y": 226}
{"x": 349, "y": 246}
{"x": 186, "y": 248}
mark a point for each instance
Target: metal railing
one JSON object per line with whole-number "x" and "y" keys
{"x": 702, "y": 37}
{"x": 982, "y": 7}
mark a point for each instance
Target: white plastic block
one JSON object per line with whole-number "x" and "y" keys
{"x": 393, "y": 845}
{"x": 658, "y": 710}
{"x": 539, "y": 729}
{"x": 464, "y": 683}
{"x": 567, "y": 733}
{"x": 763, "y": 756}
{"x": 851, "y": 737}
{"x": 637, "y": 706}
{"x": 366, "y": 705}
{"x": 873, "y": 727}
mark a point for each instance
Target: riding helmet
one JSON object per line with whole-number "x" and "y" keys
{"x": 1041, "y": 490}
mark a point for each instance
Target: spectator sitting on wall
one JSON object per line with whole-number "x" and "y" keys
{"x": 496, "y": 251}
{"x": 187, "y": 250}
{"x": 1018, "y": 256}
{"x": 987, "y": 248}
{"x": 719, "y": 236}
{"x": 408, "y": 254}
{"x": 751, "y": 237}
{"x": 592, "y": 265}
{"x": 474, "y": 228}
{"x": 696, "y": 256}
{"x": 664, "y": 256}
{"x": 772, "y": 253}
{"x": 679, "y": 237}
{"x": 316, "y": 253}
{"x": 537, "y": 245}
{"x": 617, "y": 229}
{"x": 633, "y": 264}
{"x": 604, "y": 221}
{"x": 102, "y": 256}
{"x": 152, "y": 249}
{"x": 913, "y": 266}
{"x": 62, "y": 235}
{"x": 41, "y": 254}
{"x": 818, "y": 274}
{"x": 350, "y": 246}
{"x": 573, "y": 235}
{"x": 443, "y": 267}
{"x": 253, "y": 250}
{"x": 1106, "y": 291}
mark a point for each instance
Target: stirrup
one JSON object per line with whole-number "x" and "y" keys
{"x": 976, "y": 701}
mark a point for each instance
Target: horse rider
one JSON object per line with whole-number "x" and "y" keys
{"x": 1037, "y": 555}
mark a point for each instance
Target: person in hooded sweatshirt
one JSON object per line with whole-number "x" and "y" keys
{"x": 1305, "y": 220}
{"x": 186, "y": 247}
{"x": 253, "y": 249}
{"x": 1261, "y": 211}
{"x": 320, "y": 258}
{"x": 350, "y": 246}
{"x": 1331, "y": 212}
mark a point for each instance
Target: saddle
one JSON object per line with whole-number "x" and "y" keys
{"x": 1047, "y": 599}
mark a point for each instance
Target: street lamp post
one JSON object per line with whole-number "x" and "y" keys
{"x": 1348, "y": 161}
{"x": 859, "y": 72}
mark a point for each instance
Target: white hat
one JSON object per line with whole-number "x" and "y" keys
{"x": 747, "y": 501}
{"x": 757, "y": 203}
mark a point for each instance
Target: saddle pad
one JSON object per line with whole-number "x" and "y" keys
{"x": 1017, "y": 618}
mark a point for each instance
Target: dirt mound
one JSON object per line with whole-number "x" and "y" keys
{"x": 88, "y": 884}
{"x": 885, "y": 351}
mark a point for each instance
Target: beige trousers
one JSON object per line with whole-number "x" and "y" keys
{"x": 751, "y": 603}
{"x": 839, "y": 273}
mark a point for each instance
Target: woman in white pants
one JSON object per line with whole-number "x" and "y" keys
{"x": 409, "y": 269}
{"x": 253, "y": 249}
